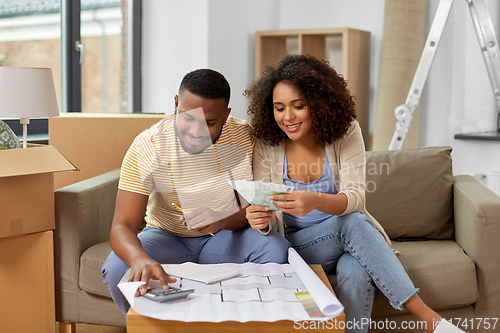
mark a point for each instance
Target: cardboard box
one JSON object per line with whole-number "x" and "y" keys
{"x": 95, "y": 142}
{"x": 27, "y": 189}
{"x": 27, "y": 280}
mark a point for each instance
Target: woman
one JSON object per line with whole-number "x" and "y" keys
{"x": 308, "y": 138}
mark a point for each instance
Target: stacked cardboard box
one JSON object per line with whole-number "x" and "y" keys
{"x": 26, "y": 242}
{"x": 95, "y": 142}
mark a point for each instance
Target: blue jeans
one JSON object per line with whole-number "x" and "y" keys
{"x": 246, "y": 245}
{"x": 362, "y": 258}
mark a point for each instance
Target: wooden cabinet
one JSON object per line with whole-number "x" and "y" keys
{"x": 347, "y": 50}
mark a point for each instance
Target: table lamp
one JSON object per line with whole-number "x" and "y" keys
{"x": 27, "y": 92}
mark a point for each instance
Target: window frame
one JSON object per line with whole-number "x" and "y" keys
{"x": 71, "y": 75}
{"x": 134, "y": 56}
{"x": 71, "y": 78}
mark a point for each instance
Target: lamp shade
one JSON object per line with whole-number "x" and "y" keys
{"x": 27, "y": 92}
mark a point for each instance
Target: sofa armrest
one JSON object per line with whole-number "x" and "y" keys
{"x": 84, "y": 213}
{"x": 477, "y": 227}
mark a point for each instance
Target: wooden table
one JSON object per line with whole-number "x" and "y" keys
{"x": 137, "y": 323}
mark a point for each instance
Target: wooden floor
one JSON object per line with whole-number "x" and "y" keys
{"x": 85, "y": 328}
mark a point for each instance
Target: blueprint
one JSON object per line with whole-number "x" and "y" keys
{"x": 262, "y": 292}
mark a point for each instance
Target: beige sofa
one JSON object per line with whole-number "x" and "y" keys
{"x": 446, "y": 229}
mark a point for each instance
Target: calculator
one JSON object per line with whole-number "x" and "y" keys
{"x": 172, "y": 293}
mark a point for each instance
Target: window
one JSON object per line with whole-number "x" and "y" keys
{"x": 30, "y": 36}
{"x": 102, "y": 55}
{"x": 95, "y": 61}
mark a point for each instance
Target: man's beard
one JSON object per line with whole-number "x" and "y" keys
{"x": 195, "y": 151}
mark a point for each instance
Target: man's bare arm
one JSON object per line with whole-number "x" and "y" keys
{"x": 129, "y": 213}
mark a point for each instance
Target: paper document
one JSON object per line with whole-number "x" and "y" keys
{"x": 258, "y": 192}
{"x": 202, "y": 273}
{"x": 327, "y": 303}
{"x": 262, "y": 292}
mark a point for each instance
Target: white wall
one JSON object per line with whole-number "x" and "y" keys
{"x": 174, "y": 42}
{"x": 180, "y": 36}
{"x": 232, "y": 26}
{"x": 357, "y": 14}
{"x": 230, "y": 39}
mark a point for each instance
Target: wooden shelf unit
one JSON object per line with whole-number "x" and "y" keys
{"x": 347, "y": 50}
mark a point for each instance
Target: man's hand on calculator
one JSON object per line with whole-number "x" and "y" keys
{"x": 144, "y": 269}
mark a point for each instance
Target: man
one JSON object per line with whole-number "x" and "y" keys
{"x": 186, "y": 159}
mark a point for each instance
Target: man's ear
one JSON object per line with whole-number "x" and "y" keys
{"x": 228, "y": 111}
{"x": 176, "y": 100}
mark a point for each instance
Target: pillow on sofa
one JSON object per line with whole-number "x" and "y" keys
{"x": 410, "y": 192}
{"x": 8, "y": 140}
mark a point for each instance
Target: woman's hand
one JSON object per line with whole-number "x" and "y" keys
{"x": 259, "y": 216}
{"x": 297, "y": 203}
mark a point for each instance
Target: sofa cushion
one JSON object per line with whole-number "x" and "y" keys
{"x": 90, "y": 269}
{"x": 445, "y": 275}
{"x": 410, "y": 192}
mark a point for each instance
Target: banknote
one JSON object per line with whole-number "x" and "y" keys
{"x": 258, "y": 192}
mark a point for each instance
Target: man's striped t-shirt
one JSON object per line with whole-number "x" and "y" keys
{"x": 157, "y": 166}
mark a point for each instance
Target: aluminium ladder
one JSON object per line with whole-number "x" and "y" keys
{"x": 489, "y": 49}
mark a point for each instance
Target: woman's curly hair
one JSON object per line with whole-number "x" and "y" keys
{"x": 320, "y": 87}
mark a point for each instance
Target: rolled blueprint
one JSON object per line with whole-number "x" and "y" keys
{"x": 326, "y": 301}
